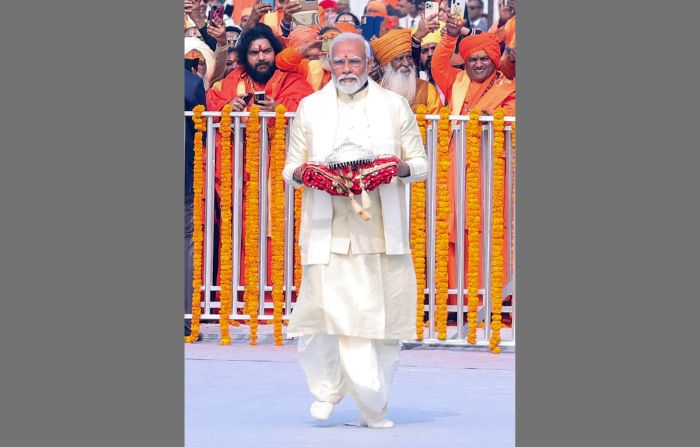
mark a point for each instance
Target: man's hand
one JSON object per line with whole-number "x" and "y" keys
{"x": 267, "y": 105}
{"x": 404, "y": 168}
{"x": 510, "y": 54}
{"x": 312, "y": 50}
{"x": 189, "y": 5}
{"x": 454, "y": 25}
{"x": 375, "y": 71}
{"x": 426, "y": 26}
{"x": 217, "y": 30}
{"x": 195, "y": 14}
{"x": 289, "y": 8}
{"x": 297, "y": 173}
{"x": 238, "y": 104}
{"x": 259, "y": 10}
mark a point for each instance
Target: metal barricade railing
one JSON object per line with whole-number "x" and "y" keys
{"x": 458, "y": 133}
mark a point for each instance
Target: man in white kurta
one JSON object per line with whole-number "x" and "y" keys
{"x": 357, "y": 296}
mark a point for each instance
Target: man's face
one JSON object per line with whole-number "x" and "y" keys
{"x": 231, "y": 63}
{"x": 372, "y": 11}
{"x": 403, "y": 63}
{"x": 402, "y": 6}
{"x": 232, "y": 38}
{"x": 261, "y": 57}
{"x": 443, "y": 10}
{"x": 202, "y": 5}
{"x": 479, "y": 66}
{"x": 244, "y": 21}
{"x": 475, "y": 9}
{"x": 349, "y": 65}
{"x": 426, "y": 55}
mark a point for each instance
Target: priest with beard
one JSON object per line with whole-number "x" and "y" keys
{"x": 257, "y": 72}
{"x": 393, "y": 51}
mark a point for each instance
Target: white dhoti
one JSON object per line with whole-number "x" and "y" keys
{"x": 368, "y": 295}
{"x": 337, "y": 365}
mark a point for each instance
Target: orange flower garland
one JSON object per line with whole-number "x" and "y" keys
{"x": 225, "y": 260}
{"x": 473, "y": 222}
{"x": 497, "y": 230}
{"x": 197, "y": 234}
{"x": 252, "y": 221}
{"x": 442, "y": 215}
{"x": 298, "y": 193}
{"x": 418, "y": 234}
{"x": 277, "y": 157}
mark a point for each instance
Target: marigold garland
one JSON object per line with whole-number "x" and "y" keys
{"x": 418, "y": 234}
{"x": 497, "y": 217}
{"x": 225, "y": 256}
{"x": 298, "y": 193}
{"x": 277, "y": 158}
{"x": 442, "y": 216}
{"x": 473, "y": 222}
{"x": 252, "y": 222}
{"x": 200, "y": 126}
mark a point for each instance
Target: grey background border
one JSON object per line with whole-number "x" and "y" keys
{"x": 606, "y": 231}
{"x": 93, "y": 213}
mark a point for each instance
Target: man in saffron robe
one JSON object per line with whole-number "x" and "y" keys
{"x": 257, "y": 72}
{"x": 480, "y": 85}
{"x": 393, "y": 51}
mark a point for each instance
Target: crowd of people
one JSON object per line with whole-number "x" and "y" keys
{"x": 238, "y": 47}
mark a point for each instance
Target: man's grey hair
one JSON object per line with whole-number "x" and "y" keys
{"x": 344, "y": 37}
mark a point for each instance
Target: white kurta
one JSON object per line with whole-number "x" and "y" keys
{"x": 362, "y": 290}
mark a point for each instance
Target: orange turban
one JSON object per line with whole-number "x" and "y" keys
{"x": 301, "y": 35}
{"x": 378, "y": 8}
{"x": 346, "y": 27}
{"x": 246, "y": 11}
{"x": 484, "y": 41}
{"x": 391, "y": 44}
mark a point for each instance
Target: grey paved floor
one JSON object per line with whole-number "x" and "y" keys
{"x": 241, "y": 395}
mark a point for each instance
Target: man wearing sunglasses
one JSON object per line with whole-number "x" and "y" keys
{"x": 475, "y": 9}
{"x": 358, "y": 290}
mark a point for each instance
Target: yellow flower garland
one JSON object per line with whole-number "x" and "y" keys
{"x": 473, "y": 222}
{"x": 225, "y": 259}
{"x": 277, "y": 157}
{"x": 497, "y": 230}
{"x": 418, "y": 234}
{"x": 197, "y": 234}
{"x": 442, "y": 216}
{"x": 252, "y": 221}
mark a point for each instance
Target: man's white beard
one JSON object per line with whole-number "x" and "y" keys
{"x": 399, "y": 82}
{"x": 349, "y": 88}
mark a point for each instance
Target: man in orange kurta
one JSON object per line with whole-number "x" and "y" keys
{"x": 257, "y": 72}
{"x": 479, "y": 86}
